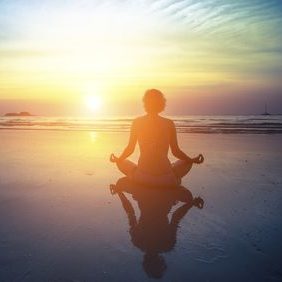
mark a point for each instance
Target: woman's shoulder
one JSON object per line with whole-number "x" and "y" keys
{"x": 168, "y": 121}
{"x": 138, "y": 119}
{"x": 144, "y": 119}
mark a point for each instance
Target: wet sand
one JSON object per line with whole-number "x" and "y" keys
{"x": 59, "y": 221}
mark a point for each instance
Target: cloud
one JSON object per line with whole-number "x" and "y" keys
{"x": 173, "y": 43}
{"x": 218, "y": 12}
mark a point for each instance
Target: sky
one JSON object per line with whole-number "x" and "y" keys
{"x": 207, "y": 57}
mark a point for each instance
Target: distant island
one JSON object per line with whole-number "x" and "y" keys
{"x": 20, "y": 114}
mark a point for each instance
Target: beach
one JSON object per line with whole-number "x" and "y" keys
{"x": 59, "y": 221}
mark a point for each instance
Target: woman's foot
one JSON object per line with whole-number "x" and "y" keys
{"x": 198, "y": 202}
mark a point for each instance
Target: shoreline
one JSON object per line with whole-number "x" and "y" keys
{"x": 127, "y": 131}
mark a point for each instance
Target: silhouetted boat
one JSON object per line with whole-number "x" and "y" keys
{"x": 266, "y": 113}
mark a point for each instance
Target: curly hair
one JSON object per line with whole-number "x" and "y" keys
{"x": 154, "y": 101}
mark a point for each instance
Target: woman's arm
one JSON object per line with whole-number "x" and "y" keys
{"x": 128, "y": 209}
{"x": 129, "y": 149}
{"x": 175, "y": 150}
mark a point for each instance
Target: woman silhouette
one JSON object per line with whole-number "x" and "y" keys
{"x": 155, "y": 135}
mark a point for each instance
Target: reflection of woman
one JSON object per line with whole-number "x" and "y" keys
{"x": 153, "y": 232}
{"x": 155, "y": 135}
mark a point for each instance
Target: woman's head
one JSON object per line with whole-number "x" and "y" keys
{"x": 154, "y": 265}
{"x": 154, "y": 101}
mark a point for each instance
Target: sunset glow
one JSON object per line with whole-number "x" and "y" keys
{"x": 140, "y": 140}
{"x": 212, "y": 56}
{"x": 93, "y": 103}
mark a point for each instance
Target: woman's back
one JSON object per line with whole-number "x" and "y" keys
{"x": 153, "y": 136}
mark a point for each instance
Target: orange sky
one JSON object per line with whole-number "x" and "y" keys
{"x": 207, "y": 57}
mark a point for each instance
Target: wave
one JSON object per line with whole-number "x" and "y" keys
{"x": 184, "y": 124}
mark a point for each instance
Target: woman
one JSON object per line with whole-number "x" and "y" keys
{"x": 155, "y": 135}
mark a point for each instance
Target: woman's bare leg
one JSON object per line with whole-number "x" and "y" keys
{"x": 126, "y": 167}
{"x": 181, "y": 168}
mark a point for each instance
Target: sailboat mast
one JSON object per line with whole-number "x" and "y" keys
{"x": 265, "y": 110}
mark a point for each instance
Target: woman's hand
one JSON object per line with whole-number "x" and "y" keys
{"x": 113, "y": 158}
{"x": 199, "y": 159}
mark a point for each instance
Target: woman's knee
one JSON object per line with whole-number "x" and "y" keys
{"x": 127, "y": 167}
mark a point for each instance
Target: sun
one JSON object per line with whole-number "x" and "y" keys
{"x": 93, "y": 103}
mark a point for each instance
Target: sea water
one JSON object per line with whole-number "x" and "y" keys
{"x": 255, "y": 124}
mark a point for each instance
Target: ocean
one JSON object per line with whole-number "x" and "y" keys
{"x": 252, "y": 124}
